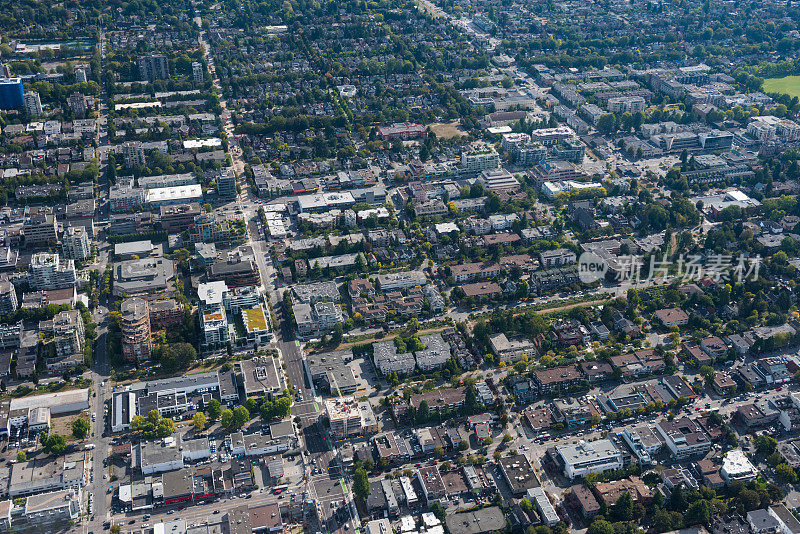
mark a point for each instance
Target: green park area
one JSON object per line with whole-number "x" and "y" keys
{"x": 789, "y": 85}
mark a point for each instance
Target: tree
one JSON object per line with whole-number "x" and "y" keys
{"x": 699, "y": 512}
{"x": 165, "y": 427}
{"x": 607, "y": 123}
{"x": 200, "y": 421}
{"x": 526, "y": 505}
{"x": 423, "y": 412}
{"x": 765, "y": 445}
{"x": 623, "y": 508}
{"x": 241, "y": 416}
{"x": 22, "y": 457}
{"x": 115, "y": 529}
{"x": 52, "y": 442}
{"x": 438, "y": 452}
{"x": 226, "y": 419}
{"x": 438, "y": 511}
{"x": 507, "y": 438}
{"x": 786, "y": 473}
{"x": 488, "y": 441}
{"x": 471, "y": 404}
{"x": 708, "y": 373}
{"x": 361, "y": 483}
{"x": 463, "y": 446}
{"x": 213, "y": 409}
{"x": 80, "y": 428}
{"x": 600, "y": 526}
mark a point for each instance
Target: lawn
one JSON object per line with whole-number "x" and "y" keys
{"x": 789, "y": 85}
{"x": 255, "y": 319}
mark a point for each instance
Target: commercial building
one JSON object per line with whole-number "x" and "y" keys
{"x": 48, "y": 271}
{"x": 136, "y": 340}
{"x": 57, "y": 507}
{"x": 12, "y": 93}
{"x": 589, "y": 457}
{"x": 236, "y": 274}
{"x": 430, "y": 480}
{"x": 165, "y": 196}
{"x": 226, "y": 183}
{"x": 142, "y": 276}
{"x": 331, "y": 372}
{"x": 518, "y": 474}
{"x": 736, "y": 466}
{"x": 349, "y": 417}
{"x": 40, "y": 229}
{"x": 482, "y": 521}
{"x": 260, "y": 377}
{"x": 176, "y": 218}
{"x": 43, "y": 475}
{"x": 547, "y": 512}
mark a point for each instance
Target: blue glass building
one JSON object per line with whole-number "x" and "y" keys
{"x": 11, "y": 94}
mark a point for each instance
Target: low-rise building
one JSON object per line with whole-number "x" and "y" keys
{"x": 589, "y": 457}
{"x": 684, "y": 438}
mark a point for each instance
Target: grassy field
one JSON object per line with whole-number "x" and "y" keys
{"x": 789, "y": 85}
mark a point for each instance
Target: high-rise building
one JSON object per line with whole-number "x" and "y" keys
{"x": 5, "y": 71}
{"x": 75, "y": 243}
{"x": 8, "y": 298}
{"x": 134, "y": 154}
{"x": 12, "y": 94}
{"x": 226, "y": 183}
{"x": 81, "y": 74}
{"x": 136, "y": 342}
{"x": 153, "y": 67}
{"x": 40, "y": 229}
{"x": 197, "y": 71}
{"x": 70, "y": 333}
{"x": 77, "y": 103}
{"x": 33, "y": 104}
{"x": 49, "y": 271}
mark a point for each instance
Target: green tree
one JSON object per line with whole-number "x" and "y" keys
{"x": 361, "y": 483}
{"x": 241, "y": 416}
{"x": 699, "y": 512}
{"x": 786, "y": 473}
{"x": 526, "y": 505}
{"x": 165, "y": 427}
{"x": 423, "y": 412}
{"x": 226, "y": 419}
{"x": 623, "y": 508}
{"x": 22, "y": 457}
{"x": 52, "y": 442}
{"x": 80, "y": 428}
{"x": 214, "y": 409}
{"x": 600, "y": 526}
{"x": 200, "y": 421}
{"x": 765, "y": 445}
{"x": 607, "y": 123}
{"x": 438, "y": 511}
